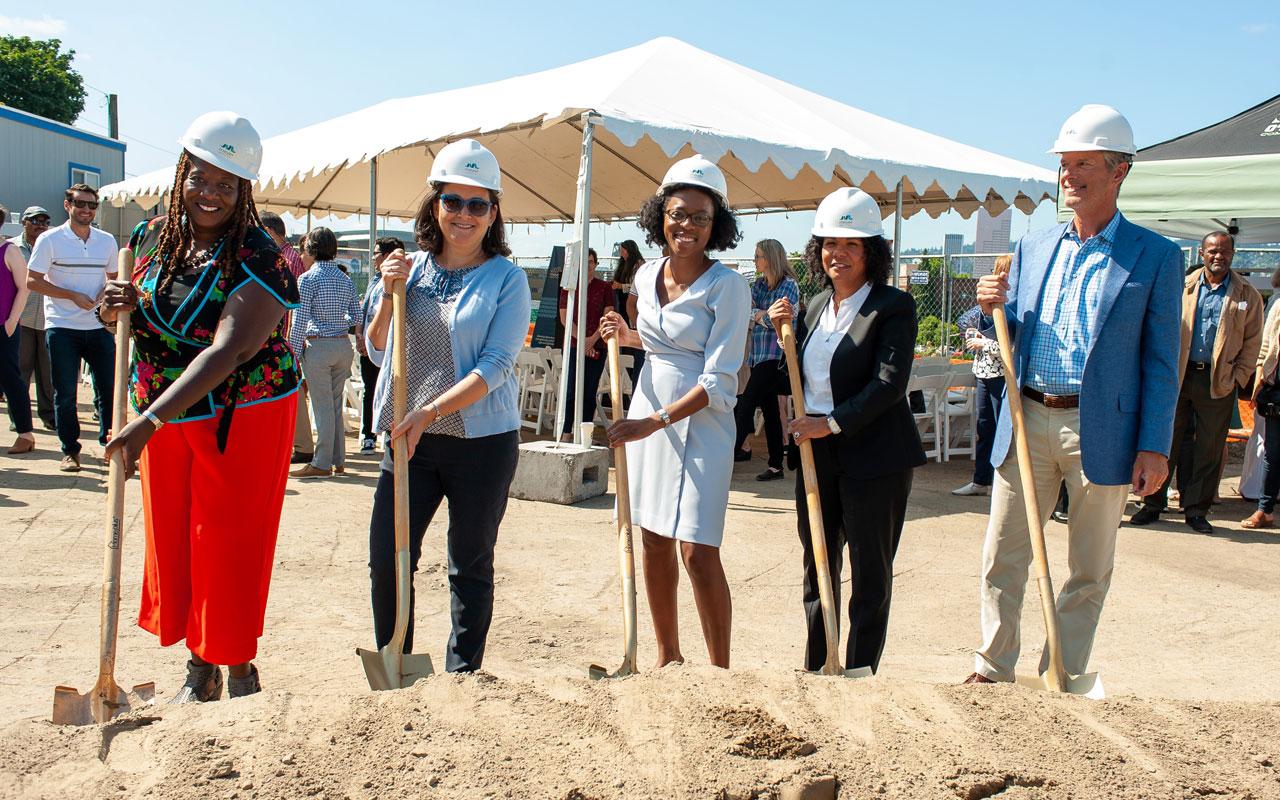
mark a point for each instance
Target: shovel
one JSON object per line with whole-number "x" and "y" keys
{"x": 106, "y": 700}
{"x": 626, "y": 556}
{"x": 1055, "y": 678}
{"x": 817, "y": 536}
{"x": 390, "y": 667}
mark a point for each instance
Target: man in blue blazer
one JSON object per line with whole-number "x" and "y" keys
{"x": 1093, "y": 307}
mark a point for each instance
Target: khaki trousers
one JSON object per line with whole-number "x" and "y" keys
{"x": 1095, "y": 512}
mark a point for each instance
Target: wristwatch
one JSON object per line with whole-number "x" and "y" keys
{"x": 832, "y": 424}
{"x": 664, "y": 416}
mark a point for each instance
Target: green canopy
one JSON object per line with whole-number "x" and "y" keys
{"x": 1221, "y": 177}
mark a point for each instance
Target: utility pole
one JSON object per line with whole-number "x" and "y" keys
{"x": 113, "y": 116}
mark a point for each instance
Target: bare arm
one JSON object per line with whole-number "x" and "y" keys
{"x": 37, "y": 282}
{"x": 18, "y": 268}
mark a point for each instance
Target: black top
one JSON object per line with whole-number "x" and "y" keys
{"x": 870, "y": 370}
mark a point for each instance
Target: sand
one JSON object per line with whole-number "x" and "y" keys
{"x": 1187, "y": 650}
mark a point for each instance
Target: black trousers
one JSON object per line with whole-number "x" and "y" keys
{"x": 761, "y": 392}
{"x": 474, "y": 475}
{"x": 592, "y": 369}
{"x": 868, "y": 515}
{"x": 369, "y": 377}
{"x": 1212, "y": 419}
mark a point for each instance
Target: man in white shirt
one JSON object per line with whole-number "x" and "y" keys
{"x": 70, "y": 265}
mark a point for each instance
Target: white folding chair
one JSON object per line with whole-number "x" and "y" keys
{"x": 929, "y": 423}
{"x": 531, "y": 371}
{"x": 625, "y": 362}
{"x": 553, "y": 362}
{"x": 960, "y": 417}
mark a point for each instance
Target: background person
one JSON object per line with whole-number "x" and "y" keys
{"x": 599, "y": 300}
{"x": 369, "y": 370}
{"x": 328, "y": 310}
{"x": 210, "y": 359}
{"x": 303, "y": 445}
{"x": 988, "y": 393}
{"x": 629, "y": 261}
{"x": 1250, "y": 485}
{"x": 466, "y": 315}
{"x": 1266, "y": 405}
{"x": 857, "y": 343}
{"x": 1093, "y": 310}
{"x": 1221, "y": 336}
{"x": 691, "y": 319}
{"x": 13, "y": 299}
{"x": 33, "y": 350}
{"x": 70, "y": 265}
{"x": 774, "y": 281}
{"x": 274, "y": 226}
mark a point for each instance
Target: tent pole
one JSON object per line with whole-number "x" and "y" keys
{"x": 373, "y": 211}
{"x": 308, "y": 219}
{"x": 897, "y": 239}
{"x": 582, "y": 229}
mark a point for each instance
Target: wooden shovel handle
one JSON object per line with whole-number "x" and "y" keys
{"x": 1056, "y": 676}
{"x": 400, "y": 463}
{"x": 626, "y": 553}
{"x": 817, "y": 535}
{"x": 113, "y": 540}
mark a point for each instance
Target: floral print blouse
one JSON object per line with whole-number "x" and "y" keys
{"x": 169, "y": 330}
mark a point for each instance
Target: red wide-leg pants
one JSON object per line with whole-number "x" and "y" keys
{"x": 211, "y": 522}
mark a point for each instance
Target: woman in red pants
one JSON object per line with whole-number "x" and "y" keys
{"x": 209, "y": 294}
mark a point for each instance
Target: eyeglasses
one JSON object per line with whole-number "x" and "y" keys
{"x": 700, "y": 220}
{"x": 475, "y": 206}
{"x": 92, "y": 205}
{"x": 39, "y": 222}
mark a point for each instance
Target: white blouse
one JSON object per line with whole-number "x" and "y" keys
{"x": 822, "y": 344}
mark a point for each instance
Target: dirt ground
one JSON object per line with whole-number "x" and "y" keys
{"x": 1187, "y": 649}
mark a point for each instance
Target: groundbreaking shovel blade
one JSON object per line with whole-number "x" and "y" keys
{"x": 385, "y": 671}
{"x": 596, "y": 672}
{"x": 839, "y": 671}
{"x": 1088, "y": 685}
{"x": 100, "y": 704}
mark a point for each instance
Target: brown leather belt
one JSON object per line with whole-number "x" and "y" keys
{"x": 1198, "y": 366}
{"x": 1052, "y": 400}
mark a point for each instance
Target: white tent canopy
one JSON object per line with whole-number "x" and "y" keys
{"x": 782, "y": 147}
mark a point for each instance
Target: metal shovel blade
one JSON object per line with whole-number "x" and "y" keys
{"x": 100, "y": 704}
{"x": 387, "y": 669}
{"x": 1088, "y": 685}
{"x": 836, "y": 670}
{"x": 596, "y": 672}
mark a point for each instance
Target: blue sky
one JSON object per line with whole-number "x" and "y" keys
{"x": 1000, "y": 76}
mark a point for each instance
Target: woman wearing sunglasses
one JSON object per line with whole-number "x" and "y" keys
{"x": 691, "y": 319}
{"x": 466, "y": 315}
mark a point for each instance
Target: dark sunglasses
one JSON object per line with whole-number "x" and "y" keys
{"x": 39, "y": 221}
{"x": 89, "y": 204}
{"x": 475, "y": 206}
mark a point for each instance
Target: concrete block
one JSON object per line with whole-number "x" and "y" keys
{"x": 560, "y": 473}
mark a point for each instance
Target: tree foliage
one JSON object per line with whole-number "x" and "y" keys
{"x": 37, "y": 77}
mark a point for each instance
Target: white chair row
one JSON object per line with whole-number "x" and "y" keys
{"x": 948, "y": 424}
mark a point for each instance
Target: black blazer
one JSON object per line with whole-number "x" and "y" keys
{"x": 869, "y": 374}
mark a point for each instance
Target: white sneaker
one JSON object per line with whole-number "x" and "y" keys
{"x": 971, "y": 490}
{"x": 367, "y": 446}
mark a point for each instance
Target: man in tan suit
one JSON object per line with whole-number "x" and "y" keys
{"x": 1221, "y": 334}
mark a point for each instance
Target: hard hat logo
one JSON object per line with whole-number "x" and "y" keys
{"x": 229, "y": 148}
{"x": 473, "y": 166}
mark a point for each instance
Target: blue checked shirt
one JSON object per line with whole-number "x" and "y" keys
{"x": 1208, "y": 313}
{"x": 328, "y": 305}
{"x": 1068, "y": 305}
{"x": 764, "y": 339}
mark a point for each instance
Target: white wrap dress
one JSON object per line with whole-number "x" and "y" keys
{"x": 680, "y": 475}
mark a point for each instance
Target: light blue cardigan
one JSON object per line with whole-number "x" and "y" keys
{"x": 488, "y": 326}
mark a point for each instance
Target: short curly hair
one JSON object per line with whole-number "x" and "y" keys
{"x": 879, "y": 260}
{"x": 724, "y": 227}
{"x": 427, "y": 233}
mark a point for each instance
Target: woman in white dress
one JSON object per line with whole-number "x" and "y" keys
{"x": 691, "y": 320}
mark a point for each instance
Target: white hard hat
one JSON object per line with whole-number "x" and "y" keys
{"x": 696, "y": 170}
{"x": 1095, "y": 127}
{"x": 848, "y": 213}
{"x": 227, "y": 141}
{"x": 468, "y": 162}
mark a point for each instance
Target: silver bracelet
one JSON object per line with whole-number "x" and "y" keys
{"x": 152, "y": 418}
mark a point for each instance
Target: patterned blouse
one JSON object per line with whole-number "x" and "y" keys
{"x": 176, "y": 325}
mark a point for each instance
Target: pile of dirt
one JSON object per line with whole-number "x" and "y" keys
{"x": 677, "y": 732}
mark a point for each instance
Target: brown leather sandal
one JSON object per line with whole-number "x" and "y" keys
{"x": 1258, "y": 521}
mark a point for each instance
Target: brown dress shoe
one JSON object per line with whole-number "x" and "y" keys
{"x": 978, "y": 677}
{"x": 309, "y": 471}
{"x": 70, "y": 464}
{"x": 22, "y": 445}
